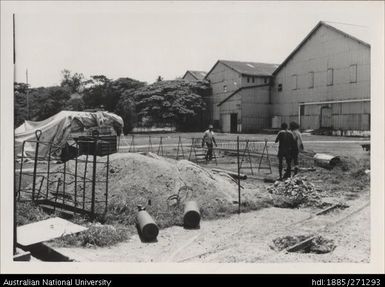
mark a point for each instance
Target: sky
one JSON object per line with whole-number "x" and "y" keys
{"x": 144, "y": 40}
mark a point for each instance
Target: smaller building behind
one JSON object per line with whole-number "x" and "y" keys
{"x": 240, "y": 100}
{"x": 194, "y": 75}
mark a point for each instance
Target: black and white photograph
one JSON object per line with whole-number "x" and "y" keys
{"x": 236, "y": 133}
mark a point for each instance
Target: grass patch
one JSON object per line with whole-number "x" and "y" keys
{"x": 96, "y": 235}
{"x": 28, "y": 212}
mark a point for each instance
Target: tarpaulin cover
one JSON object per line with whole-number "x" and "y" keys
{"x": 57, "y": 129}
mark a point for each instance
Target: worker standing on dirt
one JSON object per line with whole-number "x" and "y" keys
{"x": 294, "y": 128}
{"x": 285, "y": 149}
{"x": 209, "y": 140}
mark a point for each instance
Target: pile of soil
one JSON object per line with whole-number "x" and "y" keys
{"x": 150, "y": 180}
{"x": 347, "y": 178}
{"x": 293, "y": 191}
{"x": 318, "y": 245}
{"x": 141, "y": 179}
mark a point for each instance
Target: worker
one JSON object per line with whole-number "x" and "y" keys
{"x": 285, "y": 150}
{"x": 209, "y": 140}
{"x": 294, "y": 128}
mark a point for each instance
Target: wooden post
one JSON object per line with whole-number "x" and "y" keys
{"x": 108, "y": 169}
{"x": 84, "y": 178}
{"x": 38, "y": 134}
{"x": 160, "y": 148}
{"x": 239, "y": 178}
{"x": 93, "y": 181}
{"x": 76, "y": 177}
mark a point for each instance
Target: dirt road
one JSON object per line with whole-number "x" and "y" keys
{"x": 247, "y": 238}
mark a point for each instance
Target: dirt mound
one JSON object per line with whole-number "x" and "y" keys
{"x": 150, "y": 180}
{"x": 140, "y": 180}
{"x": 318, "y": 245}
{"x": 293, "y": 191}
{"x": 166, "y": 177}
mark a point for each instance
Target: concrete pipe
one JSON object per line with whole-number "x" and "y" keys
{"x": 191, "y": 216}
{"x": 326, "y": 160}
{"x": 148, "y": 228}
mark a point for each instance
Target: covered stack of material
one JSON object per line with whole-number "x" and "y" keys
{"x": 56, "y": 129}
{"x": 292, "y": 192}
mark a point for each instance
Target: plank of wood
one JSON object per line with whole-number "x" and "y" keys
{"x": 301, "y": 245}
{"x": 231, "y": 173}
{"x": 269, "y": 179}
{"x": 326, "y": 210}
{"x": 46, "y": 230}
{"x": 22, "y": 255}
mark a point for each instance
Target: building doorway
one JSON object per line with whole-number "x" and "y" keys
{"x": 233, "y": 122}
{"x": 326, "y": 117}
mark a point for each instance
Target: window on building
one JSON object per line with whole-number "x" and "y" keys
{"x": 279, "y": 87}
{"x": 253, "y": 79}
{"x": 311, "y": 80}
{"x": 225, "y": 88}
{"x": 294, "y": 82}
{"x": 330, "y": 76}
{"x": 248, "y": 79}
{"x": 266, "y": 80}
{"x": 353, "y": 73}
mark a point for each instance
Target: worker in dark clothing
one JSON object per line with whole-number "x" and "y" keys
{"x": 294, "y": 128}
{"x": 209, "y": 140}
{"x": 285, "y": 150}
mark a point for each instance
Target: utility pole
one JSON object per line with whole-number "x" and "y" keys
{"x": 14, "y": 174}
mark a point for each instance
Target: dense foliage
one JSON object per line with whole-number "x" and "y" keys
{"x": 176, "y": 102}
{"x": 179, "y": 103}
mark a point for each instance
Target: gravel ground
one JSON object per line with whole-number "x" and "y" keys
{"x": 247, "y": 238}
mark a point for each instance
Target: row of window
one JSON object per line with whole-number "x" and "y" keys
{"x": 329, "y": 78}
{"x": 251, "y": 79}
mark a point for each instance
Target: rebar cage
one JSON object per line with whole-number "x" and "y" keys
{"x": 73, "y": 178}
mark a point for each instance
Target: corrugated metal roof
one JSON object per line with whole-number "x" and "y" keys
{"x": 199, "y": 75}
{"x": 251, "y": 68}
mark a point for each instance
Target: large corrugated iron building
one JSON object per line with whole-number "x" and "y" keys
{"x": 323, "y": 83}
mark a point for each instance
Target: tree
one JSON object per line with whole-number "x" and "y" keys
{"x": 48, "y": 102}
{"x": 20, "y": 103}
{"x": 44, "y": 102}
{"x": 21, "y": 88}
{"x": 75, "y": 104}
{"x": 73, "y": 82}
{"x": 127, "y": 110}
{"x": 115, "y": 96}
{"x": 97, "y": 91}
{"x": 75, "y": 93}
{"x": 176, "y": 102}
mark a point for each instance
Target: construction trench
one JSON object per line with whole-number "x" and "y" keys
{"x": 85, "y": 185}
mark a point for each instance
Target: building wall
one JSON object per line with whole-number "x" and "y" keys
{"x": 219, "y": 77}
{"x": 256, "y": 109}
{"x": 232, "y": 106}
{"x": 344, "y": 116}
{"x": 326, "y": 49}
{"x": 252, "y": 108}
